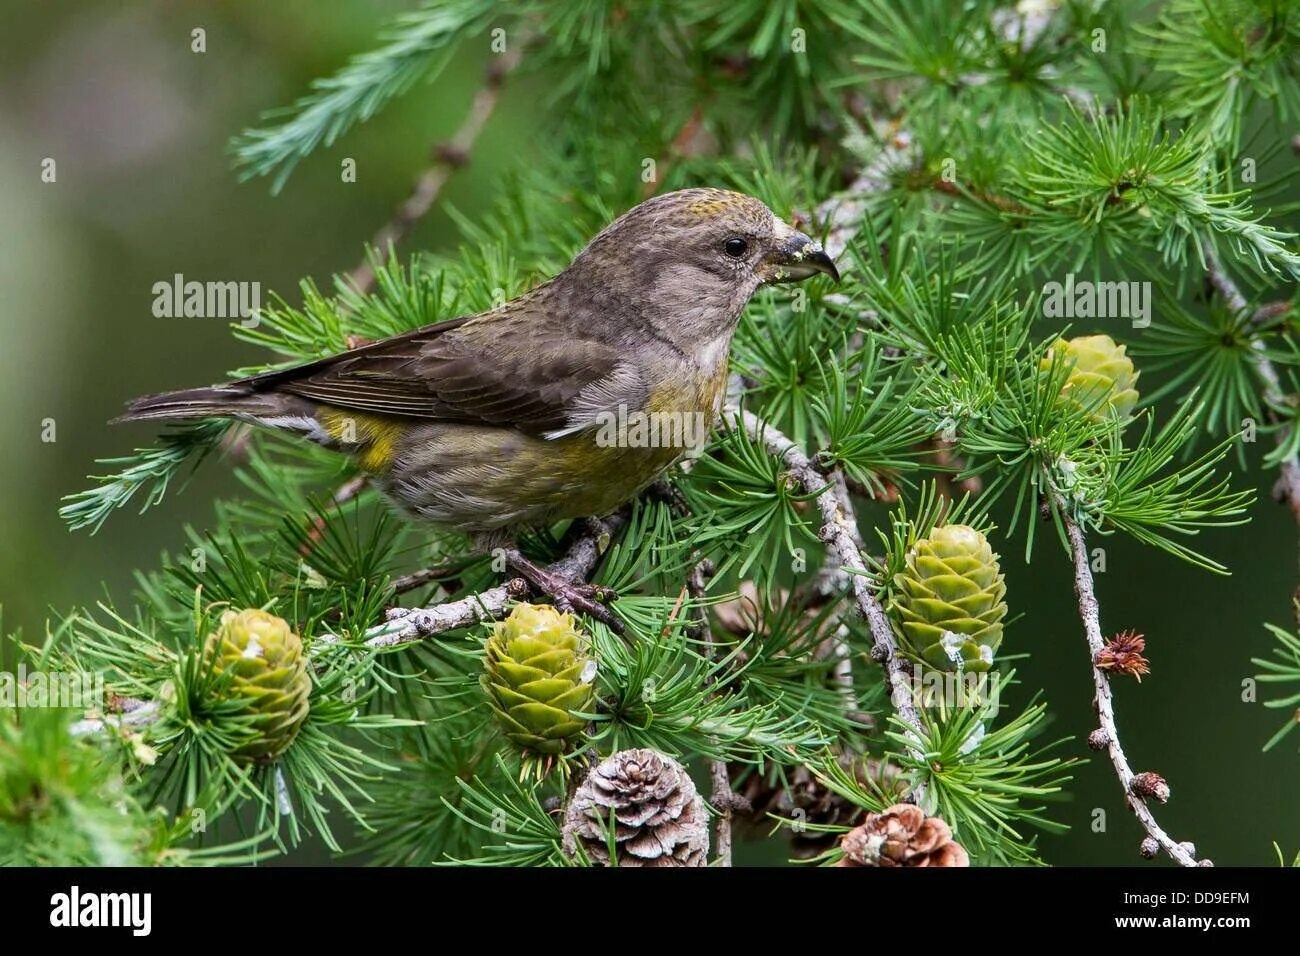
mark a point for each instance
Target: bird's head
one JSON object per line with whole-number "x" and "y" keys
{"x": 693, "y": 258}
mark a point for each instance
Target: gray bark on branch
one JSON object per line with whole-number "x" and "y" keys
{"x": 1103, "y": 700}
{"x": 405, "y": 625}
{"x": 1287, "y": 489}
{"x": 840, "y": 533}
{"x": 129, "y": 713}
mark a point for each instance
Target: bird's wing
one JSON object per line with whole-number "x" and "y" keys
{"x": 510, "y": 372}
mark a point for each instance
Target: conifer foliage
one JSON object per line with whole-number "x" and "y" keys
{"x": 1045, "y": 228}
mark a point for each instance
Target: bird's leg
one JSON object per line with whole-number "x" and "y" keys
{"x": 663, "y": 490}
{"x": 589, "y": 599}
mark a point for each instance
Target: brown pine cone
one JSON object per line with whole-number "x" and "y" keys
{"x": 743, "y": 614}
{"x": 805, "y": 799}
{"x": 650, "y": 802}
{"x": 902, "y": 836}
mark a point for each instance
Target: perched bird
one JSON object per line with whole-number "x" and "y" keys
{"x": 536, "y": 410}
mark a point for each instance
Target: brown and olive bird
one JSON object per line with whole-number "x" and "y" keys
{"x": 519, "y": 416}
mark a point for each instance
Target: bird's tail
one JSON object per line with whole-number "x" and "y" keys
{"x": 217, "y": 401}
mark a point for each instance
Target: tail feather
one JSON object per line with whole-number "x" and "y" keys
{"x": 218, "y": 401}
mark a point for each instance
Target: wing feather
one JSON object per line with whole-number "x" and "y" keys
{"x": 507, "y": 368}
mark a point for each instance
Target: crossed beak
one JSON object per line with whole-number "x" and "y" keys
{"x": 795, "y": 257}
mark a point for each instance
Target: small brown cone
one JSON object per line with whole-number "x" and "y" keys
{"x": 1122, "y": 654}
{"x": 805, "y": 803}
{"x": 646, "y": 805}
{"x": 902, "y": 835}
{"x": 1150, "y": 786}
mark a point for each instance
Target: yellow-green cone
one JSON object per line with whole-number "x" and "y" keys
{"x": 257, "y": 658}
{"x": 949, "y": 603}
{"x": 534, "y": 665}
{"x": 1101, "y": 378}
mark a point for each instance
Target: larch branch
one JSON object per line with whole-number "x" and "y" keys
{"x": 448, "y": 157}
{"x": 1104, "y": 702}
{"x": 1287, "y": 489}
{"x": 405, "y": 625}
{"x": 839, "y": 532}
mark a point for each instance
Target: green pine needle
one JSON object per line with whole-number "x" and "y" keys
{"x": 149, "y": 472}
{"x": 418, "y": 45}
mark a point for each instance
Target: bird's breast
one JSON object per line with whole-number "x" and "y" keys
{"x": 479, "y": 477}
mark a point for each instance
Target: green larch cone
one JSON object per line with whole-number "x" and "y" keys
{"x": 535, "y": 676}
{"x": 949, "y": 603}
{"x": 257, "y": 658}
{"x": 1101, "y": 378}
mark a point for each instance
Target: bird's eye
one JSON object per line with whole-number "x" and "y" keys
{"x": 735, "y": 247}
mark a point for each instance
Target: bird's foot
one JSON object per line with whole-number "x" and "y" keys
{"x": 590, "y": 599}
{"x": 663, "y": 490}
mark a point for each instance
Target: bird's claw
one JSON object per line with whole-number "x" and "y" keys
{"x": 588, "y": 599}
{"x": 663, "y": 490}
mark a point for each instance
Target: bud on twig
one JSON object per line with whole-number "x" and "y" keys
{"x": 1148, "y": 848}
{"x": 1123, "y": 655}
{"x": 1150, "y": 785}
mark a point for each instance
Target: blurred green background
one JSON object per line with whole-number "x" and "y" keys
{"x": 137, "y": 125}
